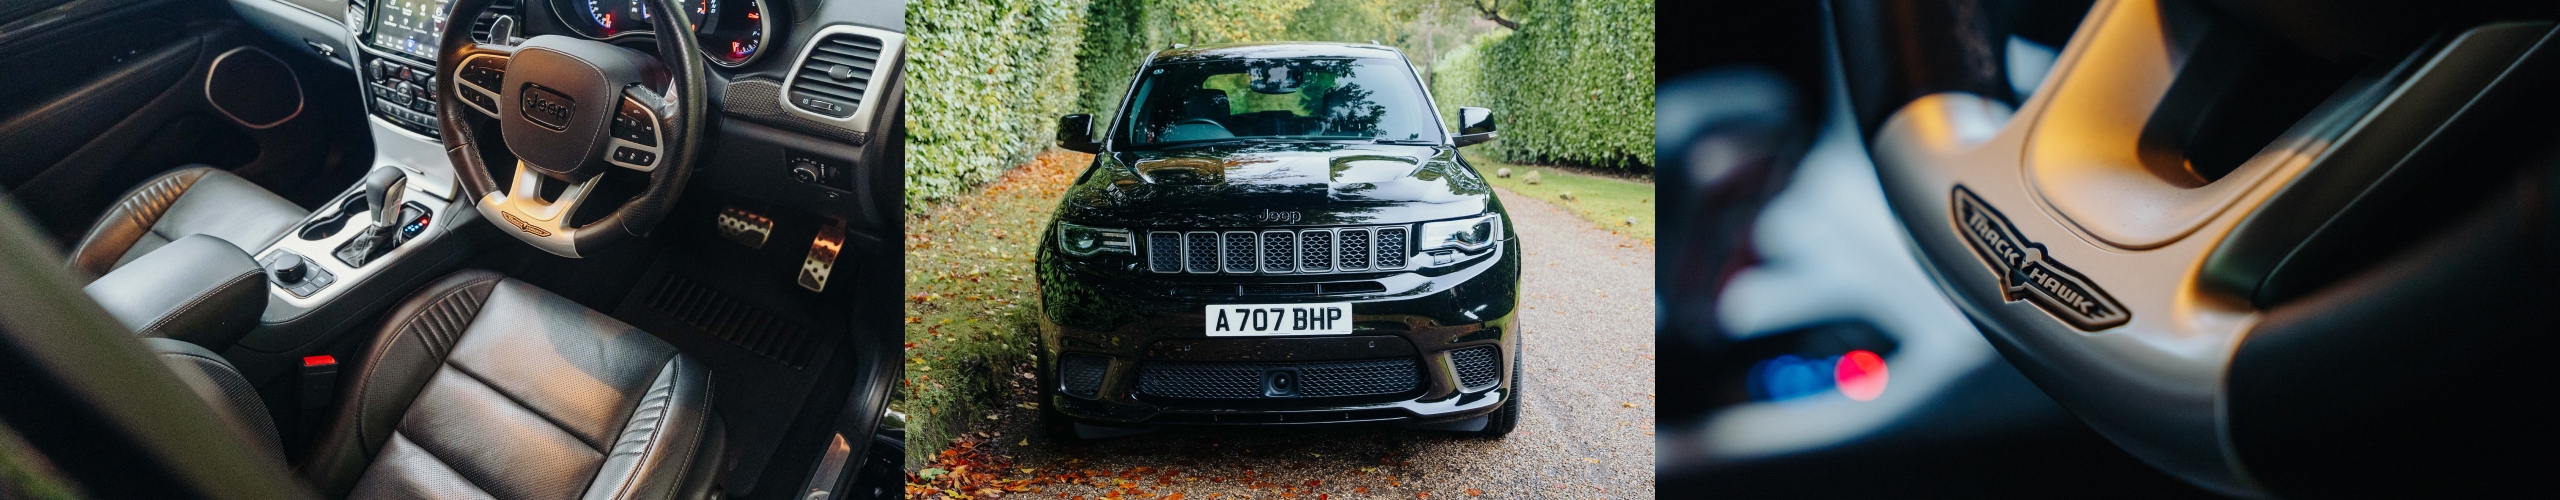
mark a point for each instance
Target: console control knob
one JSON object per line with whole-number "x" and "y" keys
{"x": 289, "y": 269}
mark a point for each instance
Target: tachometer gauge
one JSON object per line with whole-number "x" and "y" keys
{"x": 614, "y": 18}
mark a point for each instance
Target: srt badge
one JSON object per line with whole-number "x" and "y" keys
{"x": 2028, "y": 273}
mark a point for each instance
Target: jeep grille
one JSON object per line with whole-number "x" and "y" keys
{"x": 1292, "y": 251}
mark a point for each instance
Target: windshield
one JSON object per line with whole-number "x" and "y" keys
{"x": 1305, "y": 98}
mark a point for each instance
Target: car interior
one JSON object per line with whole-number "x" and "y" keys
{"x": 509, "y": 248}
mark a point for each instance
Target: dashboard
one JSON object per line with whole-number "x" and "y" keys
{"x": 792, "y": 126}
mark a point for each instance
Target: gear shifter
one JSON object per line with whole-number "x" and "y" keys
{"x": 382, "y": 192}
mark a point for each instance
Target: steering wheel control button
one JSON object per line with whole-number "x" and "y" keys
{"x": 627, "y": 154}
{"x": 2027, "y": 272}
{"x": 634, "y": 123}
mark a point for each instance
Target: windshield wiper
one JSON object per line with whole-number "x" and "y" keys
{"x": 1405, "y": 142}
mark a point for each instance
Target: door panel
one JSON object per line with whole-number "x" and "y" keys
{"x": 102, "y": 97}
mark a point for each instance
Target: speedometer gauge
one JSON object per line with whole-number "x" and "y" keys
{"x": 742, "y": 35}
{"x": 613, "y": 18}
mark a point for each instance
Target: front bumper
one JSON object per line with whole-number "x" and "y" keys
{"x": 1436, "y": 347}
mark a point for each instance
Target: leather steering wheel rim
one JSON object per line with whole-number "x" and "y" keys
{"x": 2207, "y": 347}
{"x": 680, "y": 116}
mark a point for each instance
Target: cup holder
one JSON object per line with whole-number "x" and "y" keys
{"x": 329, "y": 225}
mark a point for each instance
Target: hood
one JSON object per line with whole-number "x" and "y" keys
{"x": 1276, "y": 184}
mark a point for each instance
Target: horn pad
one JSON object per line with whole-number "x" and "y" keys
{"x": 559, "y": 95}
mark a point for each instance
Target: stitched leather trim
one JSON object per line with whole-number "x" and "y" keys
{"x": 154, "y": 329}
{"x": 528, "y": 408}
{"x": 453, "y": 317}
{"x": 139, "y": 209}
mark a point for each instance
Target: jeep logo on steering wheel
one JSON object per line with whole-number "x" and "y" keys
{"x": 547, "y": 108}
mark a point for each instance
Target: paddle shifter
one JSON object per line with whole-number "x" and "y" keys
{"x": 382, "y": 190}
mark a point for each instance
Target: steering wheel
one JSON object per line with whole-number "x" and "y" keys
{"x": 2307, "y": 320}
{"x": 571, "y": 110}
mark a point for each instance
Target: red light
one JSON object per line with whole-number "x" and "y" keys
{"x": 320, "y": 360}
{"x": 1860, "y": 375}
{"x": 752, "y": 15}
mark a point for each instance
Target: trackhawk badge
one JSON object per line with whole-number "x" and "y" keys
{"x": 2028, "y": 273}
{"x": 522, "y": 225}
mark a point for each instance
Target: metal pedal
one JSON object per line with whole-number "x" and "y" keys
{"x": 745, "y": 227}
{"x": 822, "y": 256}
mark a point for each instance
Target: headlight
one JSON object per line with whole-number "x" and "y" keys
{"x": 1082, "y": 241}
{"x": 1467, "y": 235}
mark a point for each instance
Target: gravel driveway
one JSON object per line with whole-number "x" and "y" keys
{"x": 1587, "y": 430}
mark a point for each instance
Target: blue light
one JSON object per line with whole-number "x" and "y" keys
{"x": 1788, "y": 377}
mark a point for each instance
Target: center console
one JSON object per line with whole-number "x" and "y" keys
{"x": 357, "y": 254}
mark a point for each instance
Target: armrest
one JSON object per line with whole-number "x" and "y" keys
{"x": 199, "y": 289}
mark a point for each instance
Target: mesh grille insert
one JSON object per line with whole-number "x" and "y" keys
{"x": 1279, "y": 251}
{"x": 1164, "y": 252}
{"x": 1391, "y": 248}
{"x": 1239, "y": 252}
{"x": 1245, "y": 380}
{"x": 1081, "y": 374}
{"x": 1200, "y": 251}
{"x": 1476, "y": 366}
{"x": 1319, "y": 251}
{"x": 1355, "y": 249}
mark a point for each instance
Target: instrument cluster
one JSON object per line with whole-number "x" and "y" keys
{"x": 732, "y": 32}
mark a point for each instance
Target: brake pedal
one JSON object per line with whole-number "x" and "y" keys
{"x": 822, "y": 256}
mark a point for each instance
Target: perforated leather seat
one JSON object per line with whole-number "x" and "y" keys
{"x": 480, "y": 386}
{"x": 183, "y": 202}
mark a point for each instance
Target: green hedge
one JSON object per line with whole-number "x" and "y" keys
{"x": 1573, "y": 86}
{"x": 989, "y": 79}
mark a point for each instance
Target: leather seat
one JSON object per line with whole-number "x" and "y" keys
{"x": 181, "y": 203}
{"x": 481, "y": 386}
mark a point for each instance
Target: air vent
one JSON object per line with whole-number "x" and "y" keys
{"x": 839, "y": 72}
{"x": 489, "y": 16}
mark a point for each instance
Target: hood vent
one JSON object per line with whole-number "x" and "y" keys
{"x": 835, "y": 75}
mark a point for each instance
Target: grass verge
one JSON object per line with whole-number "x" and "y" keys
{"x": 1606, "y": 201}
{"x": 970, "y": 301}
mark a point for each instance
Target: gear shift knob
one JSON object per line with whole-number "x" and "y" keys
{"x": 382, "y": 190}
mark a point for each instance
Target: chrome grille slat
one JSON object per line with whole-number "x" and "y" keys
{"x": 1279, "y": 251}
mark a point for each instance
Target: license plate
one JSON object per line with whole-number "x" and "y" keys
{"x": 1253, "y": 320}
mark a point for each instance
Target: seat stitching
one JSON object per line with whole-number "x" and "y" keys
{"x": 700, "y": 428}
{"x": 555, "y": 422}
{"x": 198, "y": 300}
{"x": 448, "y": 464}
{"x": 364, "y": 383}
{"x": 656, "y": 431}
{"x": 145, "y": 219}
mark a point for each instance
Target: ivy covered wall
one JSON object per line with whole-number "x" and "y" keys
{"x": 987, "y": 80}
{"x": 1574, "y": 85}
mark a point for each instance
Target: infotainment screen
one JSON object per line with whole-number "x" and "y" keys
{"x": 412, "y": 27}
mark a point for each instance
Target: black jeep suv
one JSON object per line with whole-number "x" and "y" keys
{"x": 1279, "y": 234}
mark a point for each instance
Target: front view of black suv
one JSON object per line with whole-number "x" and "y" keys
{"x": 1279, "y": 234}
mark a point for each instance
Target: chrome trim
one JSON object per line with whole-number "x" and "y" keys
{"x": 300, "y": 100}
{"x": 892, "y": 55}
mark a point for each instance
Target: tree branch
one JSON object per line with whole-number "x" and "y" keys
{"x": 1495, "y": 14}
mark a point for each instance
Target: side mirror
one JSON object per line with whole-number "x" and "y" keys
{"x": 1475, "y": 125}
{"x": 1075, "y": 133}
